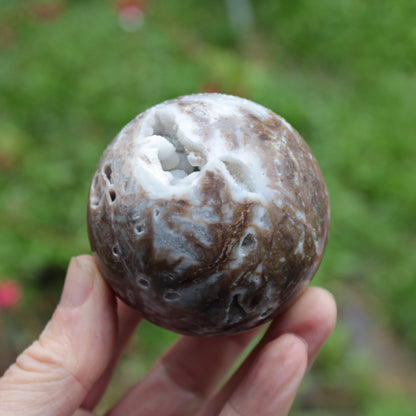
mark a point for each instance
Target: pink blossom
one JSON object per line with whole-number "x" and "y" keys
{"x": 10, "y": 294}
{"x": 130, "y": 14}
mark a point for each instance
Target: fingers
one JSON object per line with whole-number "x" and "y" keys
{"x": 128, "y": 320}
{"x": 271, "y": 384}
{"x": 186, "y": 376}
{"x": 312, "y": 318}
{"x": 53, "y": 376}
{"x": 182, "y": 380}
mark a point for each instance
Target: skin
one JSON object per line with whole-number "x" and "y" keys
{"x": 66, "y": 371}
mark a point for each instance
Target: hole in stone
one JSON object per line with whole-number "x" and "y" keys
{"x": 95, "y": 199}
{"x": 143, "y": 283}
{"x": 112, "y": 194}
{"x": 115, "y": 251}
{"x": 240, "y": 174}
{"x": 108, "y": 171}
{"x": 235, "y": 311}
{"x": 95, "y": 196}
{"x": 165, "y": 126}
{"x": 248, "y": 241}
{"x": 174, "y": 157}
{"x": 139, "y": 229}
{"x": 157, "y": 212}
{"x": 171, "y": 295}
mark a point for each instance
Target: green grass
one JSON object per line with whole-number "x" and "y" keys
{"x": 341, "y": 72}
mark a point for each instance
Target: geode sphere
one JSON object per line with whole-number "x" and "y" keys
{"x": 208, "y": 214}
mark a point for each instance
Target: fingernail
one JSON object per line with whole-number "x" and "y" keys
{"x": 78, "y": 283}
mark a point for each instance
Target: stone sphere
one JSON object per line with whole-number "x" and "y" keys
{"x": 208, "y": 214}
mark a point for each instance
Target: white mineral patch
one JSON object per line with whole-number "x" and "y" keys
{"x": 299, "y": 248}
{"x": 172, "y": 153}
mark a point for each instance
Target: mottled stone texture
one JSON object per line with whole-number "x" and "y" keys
{"x": 208, "y": 214}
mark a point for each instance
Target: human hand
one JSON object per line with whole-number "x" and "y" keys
{"x": 67, "y": 370}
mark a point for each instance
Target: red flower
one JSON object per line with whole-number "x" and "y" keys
{"x": 129, "y": 4}
{"x": 130, "y": 14}
{"x": 10, "y": 294}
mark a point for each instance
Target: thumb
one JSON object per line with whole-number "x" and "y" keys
{"x": 53, "y": 375}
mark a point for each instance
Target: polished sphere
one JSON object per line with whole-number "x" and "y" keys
{"x": 208, "y": 214}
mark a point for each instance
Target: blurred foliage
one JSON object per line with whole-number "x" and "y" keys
{"x": 342, "y": 72}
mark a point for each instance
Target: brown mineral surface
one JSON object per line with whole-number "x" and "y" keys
{"x": 208, "y": 214}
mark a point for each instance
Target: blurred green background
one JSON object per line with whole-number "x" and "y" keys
{"x": 343, "y": 73}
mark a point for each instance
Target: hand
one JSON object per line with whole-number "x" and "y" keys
{"x": 67, "y": 370}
